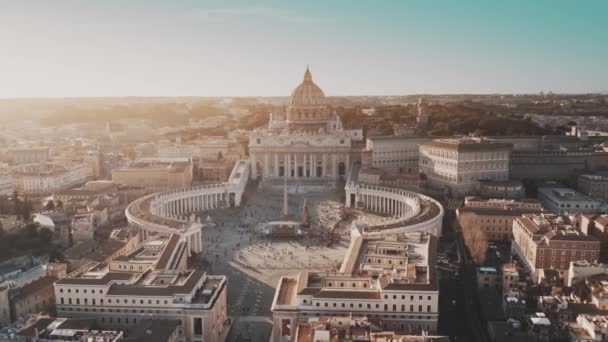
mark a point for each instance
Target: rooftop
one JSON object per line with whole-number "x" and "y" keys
{"x": 405, "y": 263}
{"x": 467, "y": 144}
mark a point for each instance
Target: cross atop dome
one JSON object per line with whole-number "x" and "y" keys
{"x": 307, "y": 74}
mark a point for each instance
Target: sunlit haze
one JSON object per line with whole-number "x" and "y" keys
{"x": 240, "y": 48}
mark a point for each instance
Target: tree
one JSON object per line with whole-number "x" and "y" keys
{"x": 31, "y": 230}
{"x": 59, "y": 204}
{"x": 50, "y": 205}
{"x": 45, "y": 234}
{"x": 220, "y": 156}
{"x": 474, "y": 238}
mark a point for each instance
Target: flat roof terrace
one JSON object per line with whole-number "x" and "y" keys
{"x": 428, "y": 211}
{"x": 287, "y": 291}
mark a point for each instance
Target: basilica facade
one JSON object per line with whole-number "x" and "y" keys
{"x": 306, "y": 141}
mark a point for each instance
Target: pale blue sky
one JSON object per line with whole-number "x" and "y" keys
{"x": 246, "y": 48}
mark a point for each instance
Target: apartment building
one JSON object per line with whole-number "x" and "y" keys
{"x": 49, "y": 178}
{"x": 544, "y": 241}
{"x": 495, "y": 216}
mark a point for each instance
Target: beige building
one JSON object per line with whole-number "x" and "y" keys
{"x": 28, "y": 155}
{"x": 30, "y": 293}
{"x": 457, "y": 165}
{"x": 501, "y": 189}
{"x": 6, "y": 185}
{"x": 209, "y": 148}
{"x": 391, "y": 280}
{"x": 544, "y": 241}
{"x": 151, "y": 280}
{"x": 510, "y": 277}
{"x": 49, "y": 178}
{"x": 395, "y": 153}
{"x": 495, "y": 216}
{"x": 161, "y": 173}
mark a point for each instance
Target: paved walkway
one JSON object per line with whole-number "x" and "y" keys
{"x": 254, "y": 264}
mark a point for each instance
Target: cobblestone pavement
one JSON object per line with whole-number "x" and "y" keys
{"x": 254, "y": 264}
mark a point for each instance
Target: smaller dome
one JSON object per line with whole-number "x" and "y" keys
{"x": 307, "y": 93}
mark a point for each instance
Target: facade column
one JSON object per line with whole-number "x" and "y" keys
{"x": 310, "y": 164}
{"x": 307, "y": 159}
{"x": 323, "y": 165}
{"x": 334, "y": 163}
{"x": 266, "y": 165}
{"x": 276, "y": 165}
{"x": 254, "y": 168}
{"x": 199, "y": 241}
{"x": 347, "y": 165}
{"x": 288, "y": 166}
{"x": 295, "y": 165}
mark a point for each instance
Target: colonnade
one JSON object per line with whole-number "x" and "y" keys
{"x": 405, "y": 207}
{"x": 172, "y": 212}
{"x": 181, "y": 207}
{"x": 394, "y": 207}
{"x": 395, "y": 202}
{"x": 299, "y": 164}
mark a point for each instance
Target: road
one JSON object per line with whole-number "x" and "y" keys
{"x": 471, "y": 301}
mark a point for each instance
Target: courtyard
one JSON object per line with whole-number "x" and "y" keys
{"x": 254, "y": 263}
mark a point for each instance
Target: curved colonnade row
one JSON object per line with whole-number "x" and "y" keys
{"x": 173, "y": 212}
{"x": 407, "y": 211}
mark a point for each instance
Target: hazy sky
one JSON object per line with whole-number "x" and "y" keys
{"x": 241, "y": 48}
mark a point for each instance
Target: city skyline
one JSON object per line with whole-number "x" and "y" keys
{"x": 234, "y": 48}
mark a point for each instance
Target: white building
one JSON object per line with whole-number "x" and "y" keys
{"x": 83, "y": 227}
{"x": 562, "y": 201}
{"x": 390, "y": 279}
{"x": 149, "y": 281}
{"x": 48, "y": 178}
{"x": 305, "y": 142}
{"x": 395, "y": 153}
{"x": 6, "y": 185}
{"x": 28, "y": 155}
{"x": 457, "y": 165}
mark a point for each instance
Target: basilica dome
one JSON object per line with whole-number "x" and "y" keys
{"x": 307, "y": 93}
